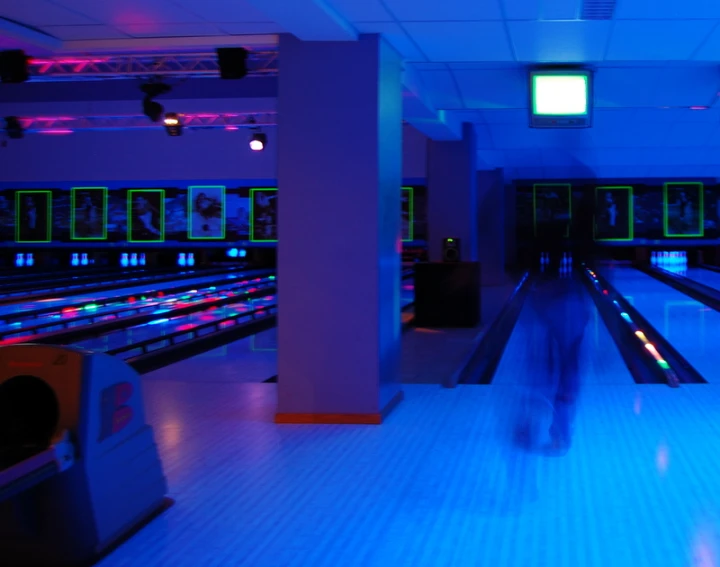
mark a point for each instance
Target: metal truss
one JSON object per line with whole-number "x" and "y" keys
{"x": 93, "y": 68}
{"x": 66, "y": 125}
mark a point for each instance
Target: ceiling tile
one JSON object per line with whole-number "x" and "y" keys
{"x": 517, "y": 116}
{"x": 361, "y": 10}
{"x": 669, "y": 9}
{"x": 396, "y": 36}
{"x": 461, "y": 41}
{"x": 657, "y": 40}
{"x": 559, "y": 42}
{"x": 41, "y": 13}
{"x": 422, "y": 66}
{"x": 493, "y": 89}
{"x": 710, "y": 49}
{"x": 250, "y": 28}
{"x": 74, "y": 33}
{"x": 542, "y": 10}
{"x": 445, "y": 10}
{"x": 441, "y": 90}
{"x": 170, "y": 30}
{"x": 132, "y": 11}
{"x": 223, "y": 10}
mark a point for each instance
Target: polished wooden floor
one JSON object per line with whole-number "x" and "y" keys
{"x": 439, "y": 484}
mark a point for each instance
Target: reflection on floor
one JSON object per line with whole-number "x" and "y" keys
{"x": 431, "y": 486}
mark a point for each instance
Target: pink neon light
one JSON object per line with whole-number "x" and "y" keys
{"x": 698, "y": 108}
{"x": 69, "y": 61}
{"x": 57, "y": 131}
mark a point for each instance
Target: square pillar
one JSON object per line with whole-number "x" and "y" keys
{"x": 492, "y": 222}
{"x": 339, "y": 234}
{"x": 452, "y": 195}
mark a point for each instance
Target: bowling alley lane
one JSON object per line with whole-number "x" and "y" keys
{"x": 165, "y": 325}
{"x": 133, "y": 287}
{"x": 75, "y": 316}
{"x": 703, "y": 276}
{"x": 690, "y": 326}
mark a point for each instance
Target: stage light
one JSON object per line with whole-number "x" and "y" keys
{"x": 13, "y": 127}
{"x": 173, "y": 125}
{"x": 258, "y": 142}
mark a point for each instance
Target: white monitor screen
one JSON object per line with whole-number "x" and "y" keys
{"x": 560, "y": 95}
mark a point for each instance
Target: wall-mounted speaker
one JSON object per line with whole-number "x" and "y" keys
{"x": 451, "y": 250}
{"x": 232, "y": 62}
{"x": 14, "y": 66}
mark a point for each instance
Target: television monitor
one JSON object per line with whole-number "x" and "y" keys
{"x": 560, "y": 98}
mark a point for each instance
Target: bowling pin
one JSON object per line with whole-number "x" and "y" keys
{"x": 142, "y": 258}
{"x": 75, "y": 259}
{"x": 190, "y": 259}
{"x": 19, "y": 260}
{"x": 182, "y": 260}
{"x": 653, "y": 258}
{"x": 133, "y": 259}
{"x": 84, "y": 260}
{"x": 124, "y": 260}
{"x": 29, "y": 260}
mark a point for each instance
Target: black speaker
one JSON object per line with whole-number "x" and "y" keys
{"x": 14, "y": 66}
{"x": 232, "y": 62}
{"x": 447, "y": 294}
{"x": 451, "y": 250}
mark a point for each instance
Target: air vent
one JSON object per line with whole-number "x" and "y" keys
{"x": 598, "y": 9}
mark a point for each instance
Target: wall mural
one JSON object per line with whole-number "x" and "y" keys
{"x": 207, "y": 214}
{"x": 623, "y": 212}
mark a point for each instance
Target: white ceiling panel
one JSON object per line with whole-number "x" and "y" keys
{"x": 444, "y": 11}
{"x": 41, "y": 13}
{"x": 250, "y": 28}
{"x": 657, "y": 40}
{"x": 198, "y": 29}
{"x": 425, "y": 66}
{"x": 461, "y": 41}
{"x": 710, "y": 49}
{"x": 493, "y": 89}
{"x": 516, "y": 116}
{"x": 668, "y": 9}
{"x": 356, "y": 11}
{"x": 72, "y": 33}
{"x": 114, "y": 12}
{"x": 223, "y": 10}
{"x": 542, "y": 9}
{"x": 396, "y": 36}
{"x": 648, "y": 87}
{"x": 442, "y": 90}
{"x": 559, "y": 42}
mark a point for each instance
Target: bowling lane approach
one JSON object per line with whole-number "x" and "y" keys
{"x": 689, "y": 325}
{"x": 525, "y": 359}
